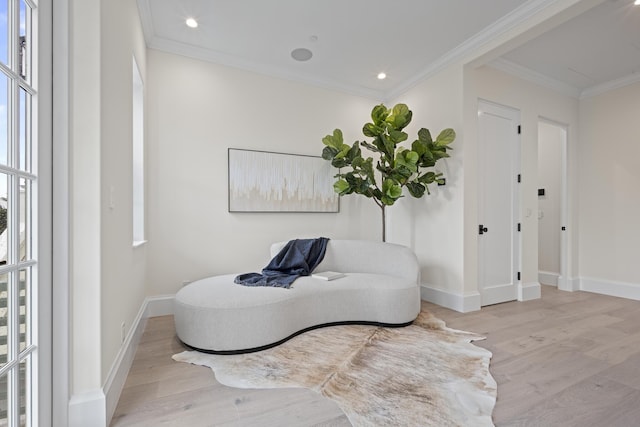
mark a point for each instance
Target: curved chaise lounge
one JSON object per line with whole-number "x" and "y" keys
{"x": 381, "y": 286}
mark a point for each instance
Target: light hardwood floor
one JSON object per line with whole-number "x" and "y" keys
{"x": 568, "y": 359}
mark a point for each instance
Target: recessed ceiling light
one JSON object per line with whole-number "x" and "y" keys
{"x": 382, "y": 76}
{"x": 191, "y": 23}
{"x": 637, "y": 2}
{"x": 301, "y": 54}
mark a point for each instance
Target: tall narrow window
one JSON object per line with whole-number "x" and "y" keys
{"x": 138, "y": 156}
{"x": 18, "y": 214}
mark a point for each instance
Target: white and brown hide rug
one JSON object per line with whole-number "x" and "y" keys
{"x": 424, "y": 374}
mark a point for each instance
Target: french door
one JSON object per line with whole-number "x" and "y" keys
{"x": 19, "y": 188}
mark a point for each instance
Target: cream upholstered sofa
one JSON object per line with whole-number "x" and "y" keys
{"x": 381, "y": 286}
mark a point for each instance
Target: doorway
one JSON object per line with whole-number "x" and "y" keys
{"x": 552, "y": 196}
{"x": 498, "y": 202}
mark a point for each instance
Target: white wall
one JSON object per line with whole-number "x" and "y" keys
{"x": 550, "y": 140}
{"x": 610, "y": 186}
{"x": 84, "y": 199}
{"x": 107, "y": 274}
{"x": 123, "y": 267}
{"x": 533, "y": 102}
{"x": 197, "y": 110}
{"x": 432, "y": 226}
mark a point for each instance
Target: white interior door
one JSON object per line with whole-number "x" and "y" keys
{"x": 498, "y": 204}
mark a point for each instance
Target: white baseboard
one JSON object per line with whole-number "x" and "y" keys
{"x": 529, "y": 291}
{"x": 610, "y": 287}
{"x": 87, "y": 409}
{"x": 548, "y": 278}
{"x": 96, "y": 408}
{"x": 457, "y": 302}
{"x": 569, "y": 284}
{"x": 120, "y": 368}
{"x": 160, "y": 305}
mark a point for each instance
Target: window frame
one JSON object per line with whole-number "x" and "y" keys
{"x": 138, "y": 156}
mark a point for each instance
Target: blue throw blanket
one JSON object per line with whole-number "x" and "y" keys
{"x": 298, "y": 258}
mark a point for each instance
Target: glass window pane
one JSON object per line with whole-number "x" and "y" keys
{"x": 24, "y": 41}
{"x": 4, "y": 404}
{"x": 4, "y": 118}
{"x": 24, "y": 289}
{"x": 24, "y": 135}
{"x": 4, "y": 319}
{"x": 4, "y": 219}
{"x": 4, "y": 32}
{"x": 25, "y": 219}
{"x": 24, "y": 385}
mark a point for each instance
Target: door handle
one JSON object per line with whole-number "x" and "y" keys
{"x": 482, "y": 229}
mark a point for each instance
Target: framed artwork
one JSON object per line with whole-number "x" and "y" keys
{"x": 263, "y": 181}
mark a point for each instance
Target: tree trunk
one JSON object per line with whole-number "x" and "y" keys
{"x": 384, "y": 225}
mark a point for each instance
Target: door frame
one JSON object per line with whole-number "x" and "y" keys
{"x": 516, "y": 262}
{"x": 563, "y": 283}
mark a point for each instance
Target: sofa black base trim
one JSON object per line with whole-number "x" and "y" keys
{"x": 324, "y": 325}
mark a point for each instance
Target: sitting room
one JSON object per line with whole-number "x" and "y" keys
{"x": 479, "y": 204}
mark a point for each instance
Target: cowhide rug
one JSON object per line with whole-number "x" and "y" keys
{"x": 421, "y": 375}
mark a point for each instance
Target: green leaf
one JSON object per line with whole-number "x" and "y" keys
{"x": 371, "y": 130}
{"x": 391, "y": 189}
{"x": 379, "y": 114}
{"x": 354, "y": 152}
{"x": 339, "y": 163}
{"x": 344, "y": 151}
{"x": 389, "y": 146}
{"x": 400, "y": 117}
{"x": 387, "y": 201}
{"x": 426, "y": 159}
{"x": 427, "y": 178}
{"x": 336, "y": 141}
{"x": 419, "y": 147}
{"x": 407, "y": 159}
{"x": 398, "y": 136}
{"x": 446, "y": 137}
{"x": 341, "y": 186}
{"x": 367, "y": 168}
{"x": 424, "y": 135}
{"x": 401, "y": 175}
{"x": 416, "y": 189}
{"x": 328, "y": 153}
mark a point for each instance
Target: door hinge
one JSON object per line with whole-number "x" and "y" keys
{"x": 519, "y": 178}
{"x": 564, "y": 228}
{"x": 518, "y": 226}
{"x": 519, "y": 129}
{"x": 482, "y": 229}
{"x": 518, "y": 275}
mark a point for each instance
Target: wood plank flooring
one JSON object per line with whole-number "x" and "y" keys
{"x": 568, "y": 359}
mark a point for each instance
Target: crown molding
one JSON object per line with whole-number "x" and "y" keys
{"x": 612, "y": 85}
{"x": 509, "y": 21}
{"x": 183, "y": 49}
{"x": 506, "y": 23}
{"x": 534, "y": 77}
{"x": 195, "y": 52}
{"x": 564, "y": 88}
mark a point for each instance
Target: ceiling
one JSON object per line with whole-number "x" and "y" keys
{"x": 354, "y": 40}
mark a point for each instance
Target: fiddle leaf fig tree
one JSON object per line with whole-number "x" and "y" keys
{"x": 397, "y": 167}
